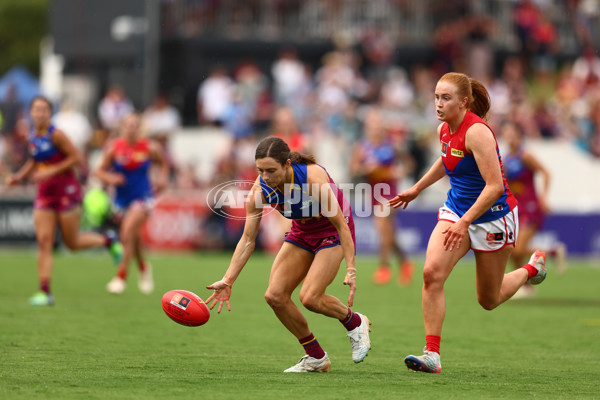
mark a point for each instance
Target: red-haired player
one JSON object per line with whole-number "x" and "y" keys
{"x": 480, "y": 212}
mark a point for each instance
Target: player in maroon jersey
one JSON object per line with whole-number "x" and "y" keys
{"x": 520, "y": 168}
{"x": 58, "y": 201}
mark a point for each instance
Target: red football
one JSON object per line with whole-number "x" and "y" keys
{"x": 185, "y": 308}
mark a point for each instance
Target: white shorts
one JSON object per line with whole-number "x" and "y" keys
{"x": 488, "y": 236}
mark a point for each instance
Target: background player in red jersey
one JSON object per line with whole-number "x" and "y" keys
{"x": 521, "y": 167}
{"x": 375, "y": 158}
{"x": 126, "y": 165}
{"x": 480, "y": 212}
{"x": 322, "y": 234}
{"x": 52, "y": 161}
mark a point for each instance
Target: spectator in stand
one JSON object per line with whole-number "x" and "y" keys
{"x": 253, "y": 92}
{"x": 74, "y": 124}
{"x": 214, "y": 97}
{"x": 586, "y": 68}
{"x": 113, "y": 107}
{"x": 526, "y": 17}
{"x": 288, "y": 74}
{"x": 286, "y": 128}
{"x": 11, "y": 110}
{"x": 161, "y": 121}
{"x": 590, "y": 130}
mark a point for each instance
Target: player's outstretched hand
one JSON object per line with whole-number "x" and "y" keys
{"x": 350, "y": 280}
{"x": 221, "y": 294}
{"x": 402, "y": 199}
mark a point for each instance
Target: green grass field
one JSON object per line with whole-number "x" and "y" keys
{"x": 92, "y": 345}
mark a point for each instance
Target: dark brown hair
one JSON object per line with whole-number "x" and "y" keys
{"x": 279, "y": 150}
{"x": 42, "y": 98}
{"x": 478, "y": 97}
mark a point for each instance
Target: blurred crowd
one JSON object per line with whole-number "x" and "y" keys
{"x": 547, "y": 95}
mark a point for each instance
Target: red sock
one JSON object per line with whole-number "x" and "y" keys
{"x": 312, "y": 347}
{"x": 122, "y": 273}
{"x": 351, "y": 321}
{"x": 142, "y": 266}
{"x": 531, "y": 270}
{"x": 45, "y": 285}
{"x": 433, "y": 343}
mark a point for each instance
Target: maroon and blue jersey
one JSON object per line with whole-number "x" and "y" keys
{"x": 521, "y": 180}
{"x": 62, "y": 191}
{"x": 298, "y": 206}
{"x": 133, "y": 160}
{"x": 466, "y": 182}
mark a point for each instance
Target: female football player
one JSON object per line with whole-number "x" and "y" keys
{"x": 322, "y": 234}
{"x": 126, "y": 165}
{"x": 375, "y": 157}
{"x": 480, "y": 212}
{"x": 52, "y": 163}
{"x": 521, "y": 167}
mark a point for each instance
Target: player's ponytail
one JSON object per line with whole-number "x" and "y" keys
{"x": 477, "y": 95}
{"x": 300, "y": 158}
{"x": 279, "y": 150}
{"x": 480, "y": 101}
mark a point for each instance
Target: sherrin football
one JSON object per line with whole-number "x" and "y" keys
{"x": 185, "y": 308}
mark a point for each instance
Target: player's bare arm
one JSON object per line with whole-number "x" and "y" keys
{"x": 104, "y": 173}
{"x": 434, "y": 174}
{"x": 158, "y": 156}
{"x": 243, "y": 250}
{"x": 22, "y": 173}
{"x": 537, "y": 167}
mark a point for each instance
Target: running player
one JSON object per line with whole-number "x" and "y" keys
{"x": 374, "y": 158}
{"x": 322, "y": 235}
{"x": 520, "y": 167}
{"x": 52, "y": 163}
{"x": 480, "y": 212}
{"x": 126, "y": 165}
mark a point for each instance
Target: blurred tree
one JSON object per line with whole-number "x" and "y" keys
{"x": 23, "y": 23}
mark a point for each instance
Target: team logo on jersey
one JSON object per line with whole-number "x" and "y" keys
{"x": 444, "y": 149}
{"x": 457, "y": 153}
{"x": 180, "y": 301}
{"x": 497, "y": 208}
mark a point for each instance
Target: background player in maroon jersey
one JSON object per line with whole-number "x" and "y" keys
{"x": 51, "y": 165}
{"x": 520, "y": 168}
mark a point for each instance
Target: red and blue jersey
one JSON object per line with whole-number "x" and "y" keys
{"x": 299, "y": 206}
{"x": 133, "y": 160}
{"x": 466, "y": 182}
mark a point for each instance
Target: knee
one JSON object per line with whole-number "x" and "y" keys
{"x": 432, "y": 278}
{"x": 487, "y": 303}
{"x": 311, "y": 301}
{"x": 71, "y": 244}
{"x": 45, "y": 242}
{"x": 276, "y": 300}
